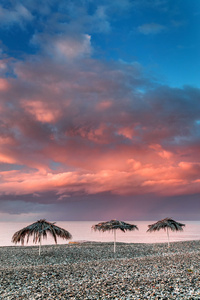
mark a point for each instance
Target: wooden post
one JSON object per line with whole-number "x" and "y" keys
{"x": 114, "y": 240}
{"x": 168, "y": 236}
{"x": 40, "y": 246}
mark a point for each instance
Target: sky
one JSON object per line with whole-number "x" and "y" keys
{"x": 99, "y": 110}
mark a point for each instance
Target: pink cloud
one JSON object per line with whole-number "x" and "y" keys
{"x": 139, "y": 179}
{"x": 82, "y": 130}
{"x": 4, "y": 85}
{"x": 41, "y": 111}
{"x": 104, "y": 105}
{"x": 7, "y": 159}
{"x": 161, "y": 152}
{"x": 128, "y": 132}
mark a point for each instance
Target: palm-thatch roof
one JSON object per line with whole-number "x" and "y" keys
{"x": 40, "y": 229}
{"x": 166, "y": 223}
{"x": 114, "y": 224}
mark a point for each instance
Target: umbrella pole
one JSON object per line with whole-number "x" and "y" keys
{"x": 168, "y": 236}
{"x": 114, "y": 240}
{"x": 40, "y": 246}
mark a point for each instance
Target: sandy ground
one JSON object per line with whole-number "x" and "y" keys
{"x": 93, "y": 271}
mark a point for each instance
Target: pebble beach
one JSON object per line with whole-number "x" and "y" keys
{"x": 91, "y": 270}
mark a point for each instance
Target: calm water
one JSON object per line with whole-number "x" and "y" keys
{"x": 81, "y": 231}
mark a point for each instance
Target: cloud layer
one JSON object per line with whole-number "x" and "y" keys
{"x": 90, "y": 128}
{"x": 73, "y": 125}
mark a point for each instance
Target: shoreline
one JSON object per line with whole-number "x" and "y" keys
{"x": 79, "y": 242}
{"x": 91, "y": 270}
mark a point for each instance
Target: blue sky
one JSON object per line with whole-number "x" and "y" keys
{"x": 99, "y": 103}
{"x": 162, "y": 36}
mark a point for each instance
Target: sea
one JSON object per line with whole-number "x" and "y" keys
{"x": 81, "y": 232}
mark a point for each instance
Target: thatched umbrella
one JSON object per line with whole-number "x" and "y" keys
{"x": 166, "y": 223}
{"x": 113, "y": 225}
{"x": 40, "y": 229}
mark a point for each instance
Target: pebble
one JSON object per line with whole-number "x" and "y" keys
{"x": 93, "y": 271}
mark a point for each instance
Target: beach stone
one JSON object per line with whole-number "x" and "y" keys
{"x": 92, "y": 271}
